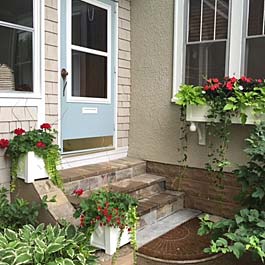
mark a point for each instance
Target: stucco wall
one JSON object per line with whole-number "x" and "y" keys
{"x": 154, "y": 123}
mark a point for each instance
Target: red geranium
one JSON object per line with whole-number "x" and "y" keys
{"x": 46, "y": 126}
{"x": 40, "y": 144}
{"x": 19, "y": 131}
{"x": 78, "y": 192}
{"x": 4, "y": 143}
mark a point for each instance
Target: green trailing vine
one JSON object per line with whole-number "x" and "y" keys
{"x": 246, "y": 231}
{"x": 41, "y": 142}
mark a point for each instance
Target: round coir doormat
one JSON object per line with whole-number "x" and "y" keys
{"x": 180, "y": 244}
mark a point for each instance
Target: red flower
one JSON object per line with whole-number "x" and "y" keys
{"x": 233, "y": 79}
{"x": 40, "y": 144}
{"x": 4, "y": 143}
{"x": 105, "y": 212}
{"x": 46, "y": 126}
{"x": 78, "y": 192}
{"x": 215, "y": 80}
{"x": 246, "y": 79}
{"x": 109, "y": 218}
{"x": 98, "y": 217}
{"x": 259, "y": 80}
{"x": 19, "y": 131}
{"x": 229, "y": 85}
{"x": 206, "y": 87}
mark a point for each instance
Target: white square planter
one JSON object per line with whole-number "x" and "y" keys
{"x": 105, "y": 237}
{"x": 31, "y": 167}
{"x": 199, "y": 113}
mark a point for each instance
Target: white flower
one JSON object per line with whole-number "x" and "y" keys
{"x": 203, "y": 92}
{"x": 241, "y": 88}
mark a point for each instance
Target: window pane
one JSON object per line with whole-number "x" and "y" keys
{"x": 15, "y": 60}
{"x": 202, "y": 61}
{"x": 17, "y": 11}
{"x": 89, "y": 75}
{"x": 255, "y": 20}
{"x": 255, "y": 58}
{"x": 89, "y": 26}
{"x": 222, "y": 19}
{"x": 194, "y": 20}
{"x": 208, "y": 19}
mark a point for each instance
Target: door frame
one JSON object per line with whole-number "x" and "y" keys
{"x": 86, "y": 153}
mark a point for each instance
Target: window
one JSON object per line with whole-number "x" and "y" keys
{"x": 218, "y": 40}
{"x": 18, "y": 46}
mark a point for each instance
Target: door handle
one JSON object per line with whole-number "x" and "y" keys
{"x": 64, "y": 75}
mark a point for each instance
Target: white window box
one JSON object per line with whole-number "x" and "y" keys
{"x": 199, "y": 113}
{"x": 31, "y": 167}
{"x": 105, "y": 237}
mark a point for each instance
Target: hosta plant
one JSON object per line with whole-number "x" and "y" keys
{"x": 51, "y": 245}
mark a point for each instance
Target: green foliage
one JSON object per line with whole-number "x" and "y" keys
{"x": 45, "y": 246}
{"x": 18, "y": 213}
{"x": 246, "y": 231}
{"x": 190, "y": 95}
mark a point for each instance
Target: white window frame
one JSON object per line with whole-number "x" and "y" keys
{"x": 37, "y": 56}
{"x": 236, "y": 40}
{"x": 108, "y": 55}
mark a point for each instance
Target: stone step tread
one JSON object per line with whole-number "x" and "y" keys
{"x": 153, "y": 231}
{"x": 158, "y": 200}
{"x": 78, "y": 173}
{"x": 136, "y": 183}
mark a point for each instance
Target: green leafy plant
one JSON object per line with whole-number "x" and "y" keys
{"x": 106, "y": 208}
{"x": 45, "y": 246}
{"x": 40, "y": 141}
{"x": 225, "y": 98}
{"x": 246, "y": 231}
{"x": 15, "y": 214}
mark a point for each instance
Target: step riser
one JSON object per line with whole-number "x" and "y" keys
{"x": 102, "y": 180}
{"x": 148, "y": 191}
{"x": 155, "y": 215}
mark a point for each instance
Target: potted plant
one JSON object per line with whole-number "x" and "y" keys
{"x": 109, "y": 217}
{"x": 33, "y": 154}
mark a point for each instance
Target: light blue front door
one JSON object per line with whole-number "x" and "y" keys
{"x": 88, "y": 54}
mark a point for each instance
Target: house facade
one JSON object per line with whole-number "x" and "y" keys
{"x": 104, "y": 73}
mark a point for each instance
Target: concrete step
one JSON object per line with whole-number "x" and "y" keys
{"x": 158, "y": 206}
{"x": 155, "y": 230}
{"x": 94, "y": 176}
{"x": 140, "y": 186}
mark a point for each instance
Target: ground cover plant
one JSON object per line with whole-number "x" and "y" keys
{"x": 246, "y": 231}
{"x": 14, "y": 215}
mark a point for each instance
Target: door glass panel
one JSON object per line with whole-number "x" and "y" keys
{"x": 89, "y": 75}
{"x": 255, "y": 20}
{"x": 17, "y": 11}
{"x": 16, "y": 60}
{"x": 89, "y": 26}
{"x": 202, "y": 61}
{"x": 255, "y": 57}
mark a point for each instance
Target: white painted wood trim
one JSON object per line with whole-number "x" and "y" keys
{"x": 36, "y": 36}
{"x": 178, "y": 53}
{"x": 100, "y": 157}
{"x": 236, "y": 38}
{"x": 59, "y": 136}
